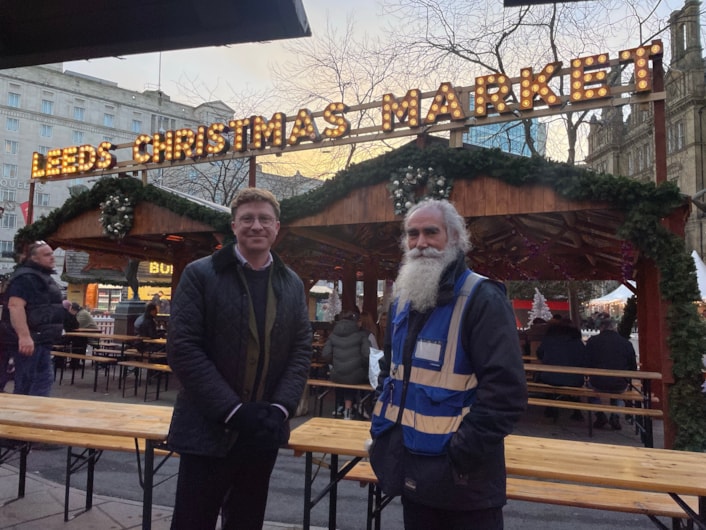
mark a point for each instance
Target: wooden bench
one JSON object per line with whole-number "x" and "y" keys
{"x": 16, "y": 439}
{"x": 153, "y": 370}
{"x": 328, "y": 385}
{"x": 647, "y": 503}
{"x": 98, "y": 363}
{"x": 643, "y": 416}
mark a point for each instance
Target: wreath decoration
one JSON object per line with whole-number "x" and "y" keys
{"x": 406, "y": 182}
{"x": 116, "y": 216}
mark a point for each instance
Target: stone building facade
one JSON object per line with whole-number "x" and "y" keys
{"x": 621, "y": 141}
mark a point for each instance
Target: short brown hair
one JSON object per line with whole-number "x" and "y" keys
{"x": 247, "y": 195}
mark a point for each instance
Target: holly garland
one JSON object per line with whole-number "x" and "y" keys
{"x": 116, "y": 216}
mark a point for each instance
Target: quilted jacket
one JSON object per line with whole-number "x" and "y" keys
{"x": 207, "y": 349}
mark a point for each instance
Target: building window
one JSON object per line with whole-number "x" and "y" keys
{"x": 8, "y": 195}
{"x": 631, "y": 163}
{"x": 9, "y": 171}
{"x": 8, "y": 220}
{"x": 12, "y": 124}
{"x": 47, "y": 106}
{"x": 136, "y": 126}
{"x": 13, "y": 100}
{"x": 108, "y": 120}
{"x": 41, "y": 199}
{"x": 11, "y": 147}
{"x": 7, "y": 249}
{"x": 680, "y": 142}
{"x": 79, "y": 114}
{"x": 43, "y": 149}
{"x": 46, "y": 131}
{"x": 77, "y": 137}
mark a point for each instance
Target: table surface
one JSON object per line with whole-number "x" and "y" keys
{"x": 155, "y": 341}
{"x": 637, "y": 468}
{"x": 150, "y": 422}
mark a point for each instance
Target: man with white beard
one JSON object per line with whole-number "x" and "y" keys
{"x": 453, "y": 381}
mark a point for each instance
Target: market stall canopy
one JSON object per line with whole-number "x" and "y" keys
{"x": 165, "y": 227}
{"x": 528, "y": 218}
{"x": 618, "y": 295}
{"x": 51, "y": 32}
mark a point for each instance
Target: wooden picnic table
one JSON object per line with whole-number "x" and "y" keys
{"x": 678, "y": 473}
{"x": 141, "y": 422}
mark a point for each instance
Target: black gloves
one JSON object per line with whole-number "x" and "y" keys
{"x": 249, "y": 416}
{"x": 259, "y": 424}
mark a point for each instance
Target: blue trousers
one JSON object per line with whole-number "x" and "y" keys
{"x": 34, "y": 374}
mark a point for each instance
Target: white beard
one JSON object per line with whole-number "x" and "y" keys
{"x": 419, "y": 276}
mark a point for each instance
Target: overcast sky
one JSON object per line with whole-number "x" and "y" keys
{"x": 241, "y": 66}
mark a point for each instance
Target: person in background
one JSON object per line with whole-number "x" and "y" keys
{"x": 239, "y": 341}
{"x": 70, "y": 322}
{"x": 367, "y": 323}
{"x": 85, "y": 320}
{"x": 562, "y": 345}
{"x": 145, "y": 324}
{"x": 382, "y": 329}
{"x": 33, "y": 320}
{"x": 609, "y": 350}
{"x": 348, "y": 350}
{"x": 455, "y": 382}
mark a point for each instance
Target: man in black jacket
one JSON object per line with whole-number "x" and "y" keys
{"x": 33, "y": 320}
{"x": 239, "y": 341}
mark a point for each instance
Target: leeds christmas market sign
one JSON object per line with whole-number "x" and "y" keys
{"x": 496, "y": 98}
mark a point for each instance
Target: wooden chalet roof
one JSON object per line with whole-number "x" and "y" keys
{"x": 528, "y": 218}
{"x": 517, "y": 233}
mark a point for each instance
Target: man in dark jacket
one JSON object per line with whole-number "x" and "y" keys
{"x": 33, "y": 320}
{"x": 456, "y": 384}
{"x": 239, "y": 341}
{"x": 611, "y": 351}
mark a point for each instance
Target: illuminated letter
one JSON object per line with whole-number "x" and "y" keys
{"x": 407, "y": 108}
{"x": 333, "y": 115}
{"x": 263, "y": 131}
{"x": 240, "y": 133}
{"x": 139, "y": 149}
{"x": 640, "y": 56}
{"x": 159, "y": 147}
{"x": 106, "y": 159}
{"x": 580, "y": 79}
{"x": 484, "y": 98}
{"x": 68, "y": 160}
{"x": 53, "y": 162}
{"x": 220, "y": 143}
{"x": 304, "y": 128}
{"x": 86, "y": 158}
{"x": 532, "y": 87}
{"x": 446, "y": 103}
{"x": 39, "y": 166}
{"x": 183, "y": 142}
{"x": 200, "y": 150}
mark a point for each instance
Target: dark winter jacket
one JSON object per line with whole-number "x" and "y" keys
{"x": 348, "y": 349}
{"x": 610, "y": 350}
{"x": 207, "y": 348}
{"x": 489, "y": 336}
{"x": 562, "y": 346}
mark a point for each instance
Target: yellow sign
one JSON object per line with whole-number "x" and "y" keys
{"x": 494, "y": 95}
